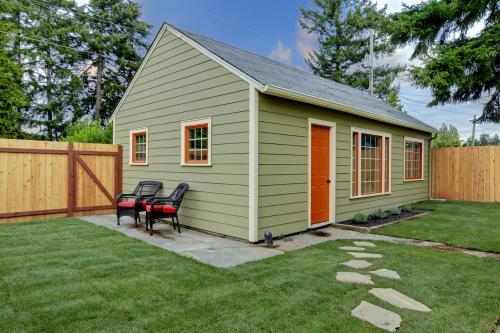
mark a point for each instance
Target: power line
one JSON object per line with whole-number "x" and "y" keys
{"x": 44, "y": 40}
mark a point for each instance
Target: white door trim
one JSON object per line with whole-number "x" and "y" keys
{"x": 333, "y": 176}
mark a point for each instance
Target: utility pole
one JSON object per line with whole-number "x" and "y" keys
{"x": 473, "y": 121}
{"x": 370, "y": 61}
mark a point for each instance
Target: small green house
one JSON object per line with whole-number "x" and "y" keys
{"x": 263, "y": 146}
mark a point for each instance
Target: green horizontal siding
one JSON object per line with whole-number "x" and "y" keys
{"x": 283, "y": 131}
{"x": 180, "y": 83}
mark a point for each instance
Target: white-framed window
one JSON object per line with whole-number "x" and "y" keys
{"x": 413, "y": 159}
{"x": 139, "y": 147}
{"x": 370, "y": 162}
{"x": 196, "y": 142}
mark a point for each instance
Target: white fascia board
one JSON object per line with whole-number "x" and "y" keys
{"x": 301, "y": 97}
{"x": 245, "y": 77}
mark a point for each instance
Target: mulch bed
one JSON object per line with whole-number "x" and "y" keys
{"x": 374, "y": 222}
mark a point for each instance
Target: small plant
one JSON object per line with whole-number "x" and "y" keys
{"x": 360, "y": 218}
{"x": 379, "y": 214}
{"x": 395, "y": 211}
{"x": 406, "y": 208}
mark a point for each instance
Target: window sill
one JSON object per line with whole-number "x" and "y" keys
{"x": 138, "y": 164}
{"x": 368, "y": 195}
{"x": 414, "y": 180}
{"x": 196, "y": 165}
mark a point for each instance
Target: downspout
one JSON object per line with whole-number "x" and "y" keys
{"x": 433, "y": 136}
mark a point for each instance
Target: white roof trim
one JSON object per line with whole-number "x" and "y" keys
{"x": 141, "y": 67}
{"x": 247, "y": 78}
{"x": 301, "y": 97}
{"x": 267, "y": 89}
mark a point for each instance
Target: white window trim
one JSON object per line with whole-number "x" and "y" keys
{"x": 130, "y": 158}
{"x": 410, "y": 139}
{"x": 195, "y": 122}
{"x": 358, "y": 183}
{"x": 333, "y": 176}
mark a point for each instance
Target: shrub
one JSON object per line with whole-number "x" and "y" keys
{"x": 360, "y": 218}
{"x": 406, "y": 208}
{"x": 90, "y": 132}
{"x": 396, "y": 211}
{"x": 379, "y": 214}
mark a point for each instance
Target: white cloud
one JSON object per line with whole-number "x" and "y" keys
{"x": 306, "y": 42}
{"x": 281, "y": 52}
{"x": 395, "y": 5}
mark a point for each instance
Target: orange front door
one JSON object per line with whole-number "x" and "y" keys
{"x": 320, "y": 174}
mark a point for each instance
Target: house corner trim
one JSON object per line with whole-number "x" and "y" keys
{"x": 253, "y": 165}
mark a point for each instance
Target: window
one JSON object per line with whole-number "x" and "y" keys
{"x": 370, "y": 163}
{"x": 413, "y": 159}
{"x": 139, "y": 147}
{"x": 196, "y": 142}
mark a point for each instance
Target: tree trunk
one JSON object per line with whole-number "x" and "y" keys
{"x": 17, "y": 47}
{"x": 49, "y": 95}
{"x": 98, "y": 87}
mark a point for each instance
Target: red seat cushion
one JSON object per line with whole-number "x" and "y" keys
{"x": 169, "y": 209}
{"x": 126, "y": 204}
{"x": 158, "y": 208}
{"x": 163, "y": 209}
{"x": 143, "y": 203}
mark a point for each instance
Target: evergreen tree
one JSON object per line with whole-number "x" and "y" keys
{"x": 484, "y": 140}
{"x": 115, "y": 38}
{"x": 342, "y": 27}
{"x": 51, "y": 61}
{"x": 12, "y": 97}
{"x": 447, "y": 137}
{"x": 457, "y": 67}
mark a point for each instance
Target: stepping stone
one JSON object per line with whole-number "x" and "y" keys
{"x": 365, "y": 255}
{"x": 352, "y": 277}
{"x": 377, "y": 316}
{"x": 357, "y": 263}
{"x": 395, "y": 298}
{"x": 352, "y": 248}
{"x": 387, "y": 273}
{"x": 365, "y": 244}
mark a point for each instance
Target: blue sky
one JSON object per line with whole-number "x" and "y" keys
{"x": 270, "y": 28}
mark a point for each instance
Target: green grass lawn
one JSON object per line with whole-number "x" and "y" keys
{"x": 463, "y": 224}
{"x": 72, "y": 276}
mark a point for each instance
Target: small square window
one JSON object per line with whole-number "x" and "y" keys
{"x": 196, "y": 142}
{"x": 139, "y": 147}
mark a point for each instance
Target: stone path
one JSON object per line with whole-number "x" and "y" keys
{"x": 365, "y": 255}
{"x": 398, "y": 299}
{"x": 370, "y": 313}
{"x": 352, "y": 248}
{"x": 308, "y": 239}
{"x": 357, "y": 263}
{"x": 377, "y": 316}
{"x": 352, "y": 277}
{"x": 387, "y": 273}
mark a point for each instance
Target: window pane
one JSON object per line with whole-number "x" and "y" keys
{"x": 371, "y": 164}
{"x": 197, "y": 143}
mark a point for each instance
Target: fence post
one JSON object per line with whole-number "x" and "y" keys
{"x": 118, "y": 170}
{"x": 71, "y": 179}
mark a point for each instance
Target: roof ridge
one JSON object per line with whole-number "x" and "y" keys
{"x": 276, "y": 62}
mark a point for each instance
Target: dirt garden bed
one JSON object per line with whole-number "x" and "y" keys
{"x": 374, "y": 223}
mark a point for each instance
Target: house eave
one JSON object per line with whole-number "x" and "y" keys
{"x": 305, "y": 98}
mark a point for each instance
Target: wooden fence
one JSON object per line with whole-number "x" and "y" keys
{"x": 45, "y": 179}
{"x": 466, "y": 173}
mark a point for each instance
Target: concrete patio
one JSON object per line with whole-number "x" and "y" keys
{"x": 225, "y": 252}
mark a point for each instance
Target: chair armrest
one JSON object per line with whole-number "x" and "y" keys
{"x": 121, "y": 196}
{"x": 161, "y": 200}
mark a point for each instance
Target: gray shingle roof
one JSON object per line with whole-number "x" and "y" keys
{"x": 273, "y": 73}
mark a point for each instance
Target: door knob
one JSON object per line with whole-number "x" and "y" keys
{"x": 328, "y": 181}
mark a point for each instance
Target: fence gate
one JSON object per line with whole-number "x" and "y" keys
{"x": 44, "y": 179}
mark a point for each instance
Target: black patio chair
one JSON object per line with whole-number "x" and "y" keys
{"x": 131, "y": 204}
{"x": 165, "y": 207}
